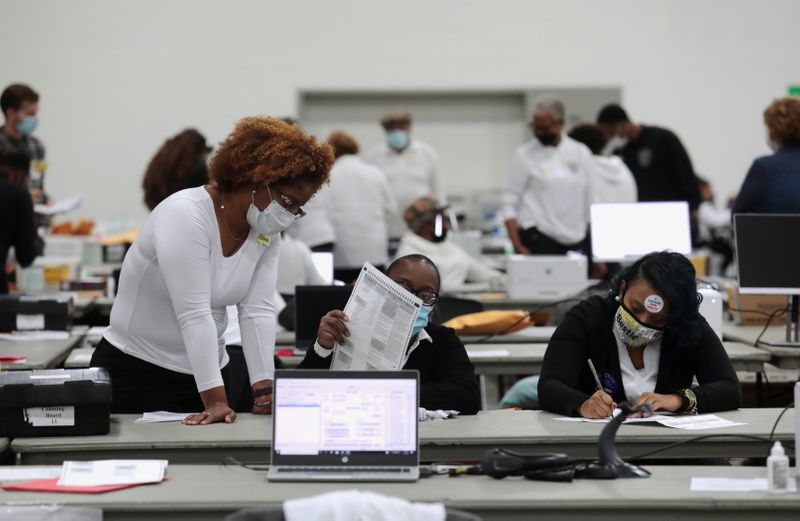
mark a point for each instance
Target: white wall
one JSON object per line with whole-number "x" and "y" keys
{"x": 118, "y": 77}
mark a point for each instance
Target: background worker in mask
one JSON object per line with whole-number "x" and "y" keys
{"x": 428, "y": 226}
{"x": 361, "y": 202}
{"x": 411, "y": 166}
{"x": 200, "y": 250}
{"x": 447, "y": 377}
{"x": 546, "y": 199}
{"x": 20, "y": 106}
{"x": 647, "y": 342}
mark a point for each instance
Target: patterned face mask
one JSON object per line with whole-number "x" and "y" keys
{"x": 631, "y": 332}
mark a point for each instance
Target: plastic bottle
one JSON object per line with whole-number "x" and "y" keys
{"x": 778, "y": 470}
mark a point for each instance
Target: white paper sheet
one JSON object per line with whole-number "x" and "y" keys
{"x": 734, "y": 485}
{"x": 25, "y": 473}
{"x": 111, "y": 472}
{"x": 67, "y": 204}
{"x": 492, "y": 353}
{"x": 34, "y": 336}
{"x": 381, "y": 317}
{"x": 161, "y": 416}
{"x": 50, "y": 416}
{"x": 698, "y": 422}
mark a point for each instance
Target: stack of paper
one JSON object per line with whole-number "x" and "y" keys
{"x": 690, "y": 422}
{"x": 161, "y": 416}
{"x": 93, "y": 477}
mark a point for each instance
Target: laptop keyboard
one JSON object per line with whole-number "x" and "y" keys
{"x": 346, "y": 470}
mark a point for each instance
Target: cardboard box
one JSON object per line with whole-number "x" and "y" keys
{"x": 765, "y": 304}
{"x": 55, "y": 402}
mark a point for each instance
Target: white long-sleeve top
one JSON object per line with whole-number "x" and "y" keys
{"x": 548, "y": 188}
{"x": 610, "y": 180}
{"x": 315, "y": 228}
{"x": 361, "y": 203}
{"x": 295, "y": 267}
{"x": 412, "y": 173}
{"x": 175, "y": 285}
{"x": 456, "y": 266}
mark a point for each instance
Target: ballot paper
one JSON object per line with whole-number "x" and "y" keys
{"x": 161, "y": 416}
{"x": 734, "y": 485}
{"x": 112, "y": 472}
{"x": 689, "y": 422}
{"x": 381, "y": 315}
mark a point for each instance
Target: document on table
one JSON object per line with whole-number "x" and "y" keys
{"x": 697, "y": 422}
{"x": 161, "y": 416}
{"x": 490, "y": 353}
{"x": 734, "y": 485}
{"x": 34, "y": 336}
{"x": 23, "y": 473}
{"x": 112, "y": 472}
{"x": 67, "y": 204}
{"x": 381, "y": 314}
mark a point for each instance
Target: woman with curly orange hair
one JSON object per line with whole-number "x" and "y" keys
{"x": 200, "y": 250}
{"x": 772, "y": 184}
{"x": 179, "y": 163}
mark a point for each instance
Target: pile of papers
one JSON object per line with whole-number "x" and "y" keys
{"x": 691, "y": 422}
{"x": 95, "y": 477}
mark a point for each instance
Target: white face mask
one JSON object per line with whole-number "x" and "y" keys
{"x": 613, "y": 144}
{"x": 271, "y": 220}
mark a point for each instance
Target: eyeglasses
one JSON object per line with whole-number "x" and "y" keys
{"x": 288, "y": 202}
{"x": 427, "y": 296}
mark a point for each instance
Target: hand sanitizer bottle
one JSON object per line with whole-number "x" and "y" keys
{"x": 777, "y": 470}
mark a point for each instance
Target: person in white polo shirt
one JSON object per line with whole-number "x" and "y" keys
{"x": 410, "y": 165}
{"x": 361, "y": 202}
{"x": 546, "y": 200}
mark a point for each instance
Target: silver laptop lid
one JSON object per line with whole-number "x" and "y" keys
{"x": 345, "y": 418}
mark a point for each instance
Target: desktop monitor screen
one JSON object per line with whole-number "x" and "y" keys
{"x": 767, "y": 253}
{"x": 311, "y": 303}
{"x": 628, "y": 231}
{"x": 323, "y": 261}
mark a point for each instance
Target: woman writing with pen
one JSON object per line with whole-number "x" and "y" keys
{"x": 647, "y": 342}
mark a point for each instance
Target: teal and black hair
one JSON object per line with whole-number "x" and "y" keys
{"x": 672, "y": 275}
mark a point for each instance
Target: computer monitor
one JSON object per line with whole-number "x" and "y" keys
{"x": 311, "y": 303}
{"x": 767, "y": 253}
{"x": 768, "y": 262}
{"x": 623, "y": 232}
{"x": 323, "y": 261}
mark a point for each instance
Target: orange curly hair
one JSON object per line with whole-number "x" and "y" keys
{"x": 266, "y": 149}
{"x": 782, "y": 118}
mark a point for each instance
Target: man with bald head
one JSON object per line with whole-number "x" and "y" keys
{"x": 546, "y": 200}
{"x": 411, "y": 166}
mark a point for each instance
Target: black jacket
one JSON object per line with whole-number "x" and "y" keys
{"x": 17, "y": 227}
{"x": 447, "y": 377}
{"x": 586, "y": 332}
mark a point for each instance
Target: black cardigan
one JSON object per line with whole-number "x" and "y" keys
{"x": 447, "y": 377}
{"x": 586, "y": 332}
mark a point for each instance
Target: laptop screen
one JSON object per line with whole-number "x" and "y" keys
{"x": 311, "y": 303}
{"x": 345, "y": 418}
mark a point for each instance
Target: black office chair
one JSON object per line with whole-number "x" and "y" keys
{"x": 451, "y": 307}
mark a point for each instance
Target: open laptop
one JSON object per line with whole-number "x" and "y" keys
{"x": 311, "y": 303}
{"x": 345, "y": 426}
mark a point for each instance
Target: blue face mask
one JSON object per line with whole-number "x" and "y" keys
{"x": 422, "y": 320}
{"x": 397, "y": 139}
{"x": 27, "y": 125}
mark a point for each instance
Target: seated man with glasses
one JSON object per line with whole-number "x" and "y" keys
{"x": 447, "y": 377}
